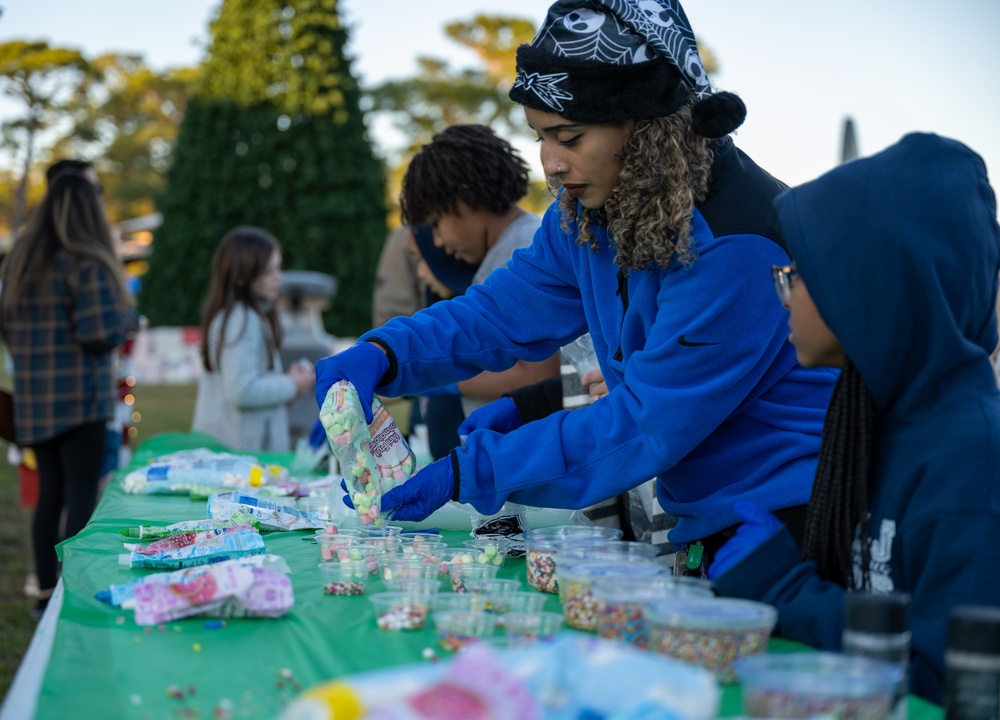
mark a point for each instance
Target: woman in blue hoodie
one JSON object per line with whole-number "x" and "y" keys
{"x": 658, "y": 244}
{"x": 895, "y": 280}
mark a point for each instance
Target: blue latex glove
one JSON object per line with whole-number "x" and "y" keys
{"x": 500, "y": 415}
{"x": 758, "y": 525}
{"x": 443, "y": 390}
{"x": 347, "y": 495}
{"x": 363, "y": 364}
{"x": 422, "y": 494}
{"x": 317, "y": 436}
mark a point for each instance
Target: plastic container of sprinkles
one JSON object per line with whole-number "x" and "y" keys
{"x": 543, "y": 545}
{"x": 619, "y": 603}
{"x": 344, "y": 578}
{"x": 575, "y": 580}
{"x": 710, "y": 632}
{"x": 811, "y": 684}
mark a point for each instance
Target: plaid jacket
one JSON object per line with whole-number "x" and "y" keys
{"x": 62, "y": 338}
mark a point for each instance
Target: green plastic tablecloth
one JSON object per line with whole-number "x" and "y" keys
{"x": 105, "y": 666}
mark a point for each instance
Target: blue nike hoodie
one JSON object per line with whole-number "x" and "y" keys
{"x": 900, "y": 252}
{"x": 704, "y": 390}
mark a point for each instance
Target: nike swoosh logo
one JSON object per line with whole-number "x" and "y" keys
{"x": 682, "y": 340}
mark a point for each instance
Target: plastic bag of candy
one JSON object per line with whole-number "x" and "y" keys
{"x": 373, "y": 458}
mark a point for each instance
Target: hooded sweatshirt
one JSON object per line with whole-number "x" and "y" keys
{"x": 900, "y": 252}
{"x": 704, "y": 390}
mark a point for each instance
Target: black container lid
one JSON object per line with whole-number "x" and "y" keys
{"x": 974, "y": 629}
{"x": 879, "y": 614}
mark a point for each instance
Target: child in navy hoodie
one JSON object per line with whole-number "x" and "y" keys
{"x": 895, "y": 280}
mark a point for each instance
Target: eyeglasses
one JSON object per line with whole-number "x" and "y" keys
{"x": 783, "y": 276}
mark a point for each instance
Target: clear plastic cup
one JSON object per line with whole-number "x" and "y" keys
{"x": 380, "y": 531}
{"x": 458, "y": 602}
{"x": 543, "y": 545}
{"x": 424, "y": 548}
{"x": 618, "y": 551}
{"x": 396, "y": 611}
{"x": 524, "y": 601}
{"x": 430, "y": 586}
{"x": 526, "y": 628}
{"x": 576, "y": 577}
{"x": 709, "y": 632}
{"x": 492, "y": 585}
{"x": 620, "y": 600}
{"x": 458, "y": 629}
{"x": 344, "y": 578}
{"x": 823, "y": 684}
{"x": 406, "y": 567}
{"x": 330, "y": 546}
{"x": 488, "y": 550}
{"x": 461, "y": 573}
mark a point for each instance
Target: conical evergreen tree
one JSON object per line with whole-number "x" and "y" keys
{"x": 273, "y": 136}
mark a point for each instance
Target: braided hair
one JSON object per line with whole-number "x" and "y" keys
{"x": 463, "y": 162}
{"x": 838, "y": 509}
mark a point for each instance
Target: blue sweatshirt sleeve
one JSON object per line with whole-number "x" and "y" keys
{"x": 672, "y": 398}
{"x": 810, "y": 609}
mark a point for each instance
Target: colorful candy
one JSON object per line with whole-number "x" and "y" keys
{"x": 344, "y": 587}
{"x": 403, "y": 617}
{"x": 715, "y": 650}
{"x": 779, "y": 704}
{"x": 542, "y": 571}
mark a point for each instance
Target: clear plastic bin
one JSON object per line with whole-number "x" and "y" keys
{"x": 576, "y": 577}
{"x": 710, "y": 632}
{"x": 543, "y": 545}
{"x": 811, "y": 684}
{"x": 620, "y": 600}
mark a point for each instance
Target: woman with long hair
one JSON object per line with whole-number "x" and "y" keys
{"x": 659, "y": 245}
{"x": 63, "y": 311}
{"x": 243, "y": 395}
{"x": 895, "y": 281}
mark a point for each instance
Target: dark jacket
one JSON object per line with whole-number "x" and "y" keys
{"x": 900, "y": 253}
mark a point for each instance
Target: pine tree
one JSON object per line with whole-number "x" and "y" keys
{"x": 273, "y": 136}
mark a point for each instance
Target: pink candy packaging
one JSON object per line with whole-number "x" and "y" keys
{"x": 373, "y": 458}
{"x": 222, "y": 591}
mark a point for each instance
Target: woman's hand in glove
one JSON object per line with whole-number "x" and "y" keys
{"x": 363, "y": 364}
{"x": 422, "y": 494}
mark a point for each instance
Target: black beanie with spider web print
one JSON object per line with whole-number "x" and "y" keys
{"x": 610, "y": 61}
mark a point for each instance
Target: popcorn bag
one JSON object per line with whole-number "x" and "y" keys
{"x": 373, "y": 458}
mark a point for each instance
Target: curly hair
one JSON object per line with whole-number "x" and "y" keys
{"x": 665, "y": 169}
{"x": 463, "y": 162}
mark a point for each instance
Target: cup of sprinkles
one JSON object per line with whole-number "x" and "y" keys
{"x": 710, "y": 632}
{"x": 814, "y": 684}
{"x": 543, "y": 545}
{"x": 347, "y": 577}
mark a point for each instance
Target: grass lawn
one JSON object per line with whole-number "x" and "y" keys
{"x": 164, "y": 408}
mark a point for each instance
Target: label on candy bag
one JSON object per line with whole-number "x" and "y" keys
{"x": 373, "y": 458}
